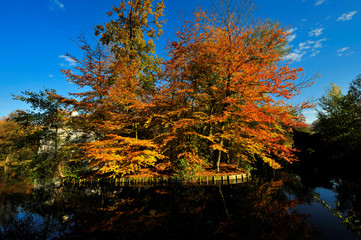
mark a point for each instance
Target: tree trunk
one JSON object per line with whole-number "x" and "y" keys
{"x": 60, "y": 168}
{"x": 224, "y": 202}
{"x": 7, "y": 162}
{"x": 218, "y": 161}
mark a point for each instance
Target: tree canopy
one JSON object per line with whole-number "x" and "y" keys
{"x": 221, "y": 95}
{"x": 339, "y": 121}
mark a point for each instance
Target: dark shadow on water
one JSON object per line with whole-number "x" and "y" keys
{"x": 333, "y": 168}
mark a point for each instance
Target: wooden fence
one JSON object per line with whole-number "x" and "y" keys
{"x": 159, "y": 181}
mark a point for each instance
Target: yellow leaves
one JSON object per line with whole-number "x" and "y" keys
{"x": 192, "y": 158}
{"x": 163, "y": 166}
{"x": 218, "y": 147}
{"x": 271, "y": 162}
{"x": 119, "y": 155}
{"x": 183, "y": 124}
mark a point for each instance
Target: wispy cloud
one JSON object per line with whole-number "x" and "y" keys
{"x": 319, "y": 44}
{"x": 292, "y": 35}
{"x": 346, "y": 16}
{"x": 319, "y": 2}
{"x": 314, "y": 53}
{"x": 69, "y": 60}
{"x": 56, "y": 5}
{"x": 345, "y": 51}
{"x": 311, "y": 48}
{"x": 295, "y": 56}
{"x": 315, "y": 32}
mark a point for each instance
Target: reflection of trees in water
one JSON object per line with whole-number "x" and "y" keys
{"x": 26, "y": 213}
{"x": 349, "y": 219}
{"x": 349, "y": 203}
{"x": 332, "y": 162}
{"x": 255, "y": 210}
{"x": 334, "y": 167}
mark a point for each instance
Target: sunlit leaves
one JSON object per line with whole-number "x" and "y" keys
{"x": 121, "y": 155}
{"x": 221, "y": 95}
{"x": 118, "y": 76}
{"x": 19, "y": 138}
{"x": 228, "y": 86}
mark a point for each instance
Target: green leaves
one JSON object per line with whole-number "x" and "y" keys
{"x": 130, "y": 36}
{"x": 46, "y": 109}
{"x": 339, "y": 121}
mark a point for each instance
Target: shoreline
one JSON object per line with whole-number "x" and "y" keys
{"x": 220, "y": 179}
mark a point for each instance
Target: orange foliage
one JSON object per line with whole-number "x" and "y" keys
{"x": 118, "y": 85}
{"x": 222, "y": 95}
{"x": 14, "y": 137}
{"x": 225, "y": 92}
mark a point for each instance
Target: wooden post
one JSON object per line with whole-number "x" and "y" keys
{"x": 7, "y": 163}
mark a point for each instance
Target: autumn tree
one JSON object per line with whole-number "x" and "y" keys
{"x": 131, "y": 36}
{"x": 19, "y": 138}
{"x": 225, "y": 94}
{"x": 11, "y": 137}
{"x": 221, "y": 95}
{"x": 119, "y": 75}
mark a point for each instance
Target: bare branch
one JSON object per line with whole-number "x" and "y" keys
{"x": 240, "y": 12}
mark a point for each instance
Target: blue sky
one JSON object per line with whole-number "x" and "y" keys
{"x": 35, "y": 36}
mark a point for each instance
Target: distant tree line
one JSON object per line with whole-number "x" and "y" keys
{"x": 334, "y": 144}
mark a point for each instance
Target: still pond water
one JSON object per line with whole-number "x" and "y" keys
{"x": 279, "y": 208}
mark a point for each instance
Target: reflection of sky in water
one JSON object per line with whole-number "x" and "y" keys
{"x": 24, "y": 215}
{"x": 46, "y": 226}
{"x": 324, "y": 220}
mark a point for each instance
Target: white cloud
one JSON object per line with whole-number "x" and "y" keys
{"x": 70, "y": 61}
{"x": 311, "y": 48}
{"x": 292, "y": 30}
{"x": 313, "y": 45}
{"x": 315, "y": 32}
{"x": 318, "y": 44}
{"x": 319, "y": 2}
{"x": 51, "y": 75}
{"x": 55, "y": 5}
{"x": 292, "y": 35}
{"x": 305, "y": 45}
{"x": 295, "y": 56}
{"x": 314, "y": 53}
{"x": 341, "y": 51}
{"x": 346, "y": 16}
{"x": 345, "y": 51}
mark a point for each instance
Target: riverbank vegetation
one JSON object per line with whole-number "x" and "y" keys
{"x": 222, "y": 95}
{"x": 332, "y": 143}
